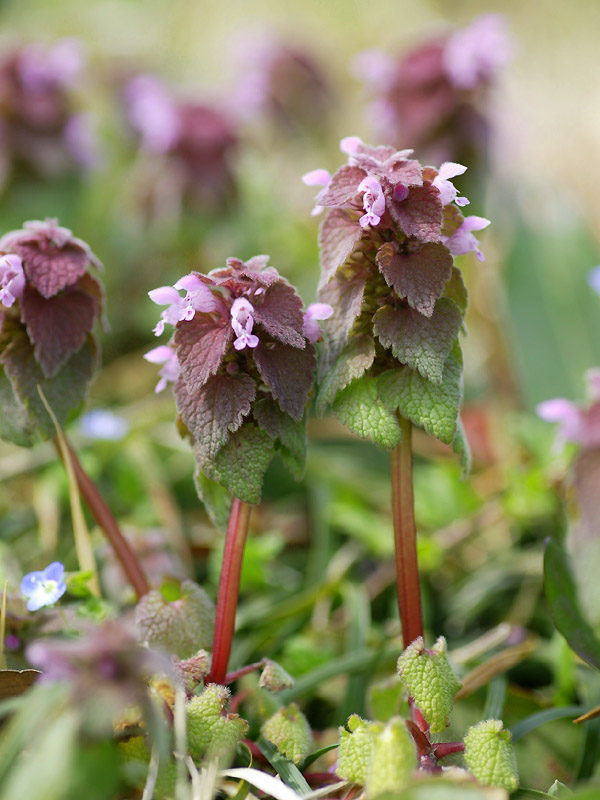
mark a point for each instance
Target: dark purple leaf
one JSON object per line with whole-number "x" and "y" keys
{"x": 338, "y": 236}
{"x": 279, "y": 311}
{"x": 51, "y": 268}
{"x": 289, "y": 374}
{"x": 201, "y": 345}
{"x": 342, "y": 187}
{"x": 57, "y": 326}
{"x": 346, "y": 298}
{"x": 418, "y": 276}
{"x": 420, "y": 214}
{"x": 216, "y": 410}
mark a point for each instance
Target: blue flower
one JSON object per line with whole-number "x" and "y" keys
{"x": 44, "y": 588}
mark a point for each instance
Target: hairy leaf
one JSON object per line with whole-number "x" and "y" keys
{"x": 429, "y": 405}
{"x": 358, "y": 406}
{"x": 290, "y": 434}
{"x": 460, "y": 445}
{"x": 420, "y": 214}
{"x": 216, "y": 410}
{"x": 406, "y": 171}
{"x": 15, "y": 423}
{"x": 216, "y": 499}
{"x": 342, "y": 187}
{"x": 280, "y": 313}
{"x": 346, "y": 298}
{"x": 456, "y": 290}
{"x": 418, "y": 276}
{"x": 241, "y": 464}
{"x": 561, "y": 595}
{"x": 354, "y": 360}
{"x": 57, "y": 326}
{"x": 65, "y": 392}
{"x": 421, "y": 343}
{"x": 51, "y": 268}
{"x": 338, "y": 236}
{"x": 289, "y": 374}
{"x": 201, "y": 345}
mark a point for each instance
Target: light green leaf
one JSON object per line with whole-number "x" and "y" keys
{"x": 355, "y": 359}
{"x": 241, "y": 464}
{"x": 358, "y": 406}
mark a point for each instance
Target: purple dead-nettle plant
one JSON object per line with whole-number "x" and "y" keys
{"x": 242, "y": 360}
{"x": 391, "y": 357}
{"x": 50, "y": 301}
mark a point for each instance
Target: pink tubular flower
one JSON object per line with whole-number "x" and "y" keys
{"x": 176, "y": 308}
{"x": 447, "y": 190}
{"x": 242, "y": 323}
{"x": 318, "y": 177}
{"x": 579, "y": 424}
{"x": 152, "y": 113}
{"x": 350, "y": 144}
{"x": 198, "y": 298}
{"x": 373, "y": 201}
{"x": 474, "y": 54}
{"x": 169, "y": 372}
{"x": 315, "y": 312}
{"x": 12, "y": 279}
{"x": 462, "y": 240}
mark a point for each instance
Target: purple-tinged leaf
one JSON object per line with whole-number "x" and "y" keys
{"x": 240, "y": 464}
{"x": 16, "y": 425}
{"x": 456, "y": 290}
{"x": 426, "y": 404}
{"x": 215, "y": 410}
{"x": 452, "y": 219}
{"x": 561, "y": 596}
{"x": 65, "y": 392}
{"x": 404, "y": 171}
{"x": 289, "y": 374}
{"x": 289, "y": 434}
{"x": 57, "y": 326}
{"x": 342, "y": 187}
{"x": 345, "y": 296}
{"x": 339, "y": 234}
{"x": 279, "y": 311}
{"x": 201, "y": 345}
{"x": 354, "y": 360}
{"x": 418, "y": 276}
{"x": 359, "y": 408}
{"x": 51, "y": 268}
{"x": 420, "y": 214}
{"x": 421, "y": 343}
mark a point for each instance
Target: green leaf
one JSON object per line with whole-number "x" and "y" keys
{"x": 456, "y": 290}
{"x": 489, "y": 755}
{"x": 426, "y": 404}
{"x": 16, "y": 425}
{"x": 460, "y": 445}
{"x": 216, "y": 498}
{"x": 212, "y": 730}
{"x": 65, "y": 392}
{"x": 561, "y": 595}
{"x": 290, "y": 435}
{"x": 534, "y": 721}
{"x": 422, "y": 343}
{"x": 358, "y": 406}
{"x": 286, "y": 769}
{"x": 241, "y": 464}
{"x": 289, "y": 731}
{"x": 352, "y": 363}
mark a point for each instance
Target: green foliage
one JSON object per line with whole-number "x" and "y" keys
{"x": 358, "y": 406}
{"x": 490, "y": 756}
{"x": 289, "y": 731}
{"x": 356, "y": 751}
{"x": 393, "y": 760}
{"x": 212, "y": 731}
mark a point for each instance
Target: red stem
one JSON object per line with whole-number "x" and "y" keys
{"x": 229, "y": 588}
{"x": 405, "y": 537}
{"x": 239, "y": 673}
{"x": 447, "y": 748}
{"x": 104, "y": 517}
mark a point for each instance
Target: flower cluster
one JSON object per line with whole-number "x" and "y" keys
{"x": 41, "y": 128}
{"x": 387, "y": 241}
{"x": 49, "y": 304}
{"x": 434, "y": 95}
{"x": 197, "y": 142}
{"x": 242, "y": 361}
{"x": 576, "y": 423}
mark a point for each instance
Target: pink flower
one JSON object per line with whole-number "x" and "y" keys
{"x": 462, "y": 240}
{"x": 153, "y": 113}
{"x": 447, "y": 190}
{"x": 170, "y": 370}
{"x": 12, "y": 279}
{"x": 577, "y": 423}
{"x": 315, "y": 311}
{"x": 318, "y": 177}
{"x": 475, "y": 54}
{"x": 375, "y": 67}
{"x": 198, "y": 298}
{"x": 350, "y": 144}
{"x": 176, "y": 308}
{"x": 242, "y": 323}
{"x": 43, "y": 69}
{"x": 373, "y": 201}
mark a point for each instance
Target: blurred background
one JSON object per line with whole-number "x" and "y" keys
{"x": 171, "y": 135}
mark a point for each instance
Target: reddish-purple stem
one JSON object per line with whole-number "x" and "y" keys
{"x": 405, "y": 537}
{"x": 447, "y": 749}
{"x": 229, "y": 588}
{"x": 105, "y": 519}
{"x": 239, "y": 673}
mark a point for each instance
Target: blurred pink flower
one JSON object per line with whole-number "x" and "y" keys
{"x": 152, "y": 112}
{"x": 576, "y": 423}
{"x": 315, "y": 312}
{"x": 475, "y": 54}
{"x": 170, "y": 370}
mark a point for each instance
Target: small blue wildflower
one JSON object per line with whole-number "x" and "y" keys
{"x": 103, "y": 424}
{"x": 44, "y": 588}
{"x": 594, "y": 279}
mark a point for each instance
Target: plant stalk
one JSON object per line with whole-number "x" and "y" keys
{"x": 405, "y": 537}
{"x": 105, "y": 519}
{"x": 229, "y": 588}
